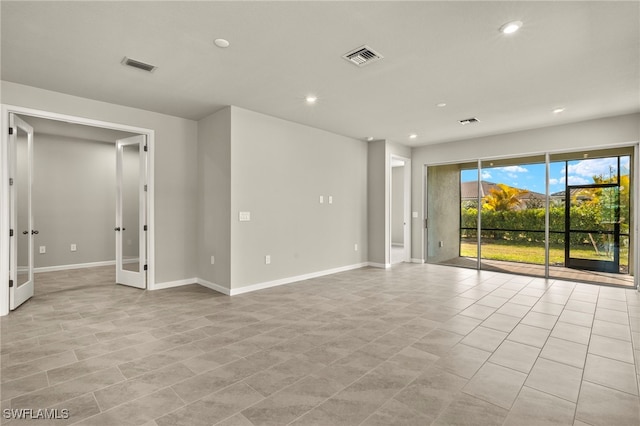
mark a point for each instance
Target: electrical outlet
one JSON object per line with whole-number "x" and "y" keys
{"x": 74, "y": 247}
{"x": 213, "y": 260}
{"x": 330, "y": 199}
{"x": 43, "y": 249}
{"x": 267, "y": 259}
{"x": 322, "y": 199}
{"x": 355, "y": 247}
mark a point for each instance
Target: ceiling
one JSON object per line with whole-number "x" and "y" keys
{"x": 583, "y": 56}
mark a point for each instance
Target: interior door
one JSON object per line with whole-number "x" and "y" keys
{"x": 131, "y": 212}
{"x": 22, "y": 232}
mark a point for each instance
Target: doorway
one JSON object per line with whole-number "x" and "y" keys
{"x": 594, "y": 244}
{"x": 133, "y": 256}
{"x": 400, "y": 206}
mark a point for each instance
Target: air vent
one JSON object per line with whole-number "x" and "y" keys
{"x": 469, "y": 121}
{"x": 137, "y": 64}
{"x": 362, "y": 56}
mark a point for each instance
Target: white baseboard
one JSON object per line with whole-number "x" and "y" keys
{"x": 213, "y": 286}
{"x": 74, "y": 266}
{"x": 379, "y": 265}
{"x": 289, "y": 280}
{"x": 171, "y": 284}
{"x": 417, "y": 260}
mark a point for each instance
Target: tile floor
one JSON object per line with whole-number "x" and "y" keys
{"x": 414, "y": 345}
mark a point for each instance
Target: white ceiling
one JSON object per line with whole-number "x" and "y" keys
{"x": 584, "y": 56}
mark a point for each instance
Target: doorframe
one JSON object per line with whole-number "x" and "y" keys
{"x": 4, "y": 187}
{"x": 406, "y": 207}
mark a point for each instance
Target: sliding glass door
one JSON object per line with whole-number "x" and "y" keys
{"x": 565, "y": 216}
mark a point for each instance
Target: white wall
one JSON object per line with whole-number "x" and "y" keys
{"x": 279, "y": 169}
{"x": 379, "y": 192}
{"x": 569, "y": 137}
{"x": 74, "y": 200}
{"x": 214, "y": 198}
{"x": 378, "y": 206}
{"x": 175, "y": 157}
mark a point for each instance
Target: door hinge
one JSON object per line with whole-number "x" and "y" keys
{"x": 145, "y": 227}
{"x": 426, "y": 223}
{"x": 145, "y": 188}
{"x": 146, "y": 149}
{"x": 10, "y": 283}
{"x": 10, "y": 130}
{"x": 10, "y": 181}
{"x": 11, "y": 232}
{"x": 145, "y": 267}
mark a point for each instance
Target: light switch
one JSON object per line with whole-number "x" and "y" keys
{"x": 74, "y": 247}
{"x": 414, "y": 215}
{"x": 322, "y": 199}
{"x": 245, "y": 216}
{"x": 43, "y": 249}
{"x": 330, "y": 199}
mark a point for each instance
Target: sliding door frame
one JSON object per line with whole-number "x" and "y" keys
{"x": 635, "y": 178}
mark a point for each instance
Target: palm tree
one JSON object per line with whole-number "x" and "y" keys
{"x": 503, "y": 198}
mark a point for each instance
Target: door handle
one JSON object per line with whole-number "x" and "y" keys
{"x": 25, "y": 232}
{"x": 35, "y": 232}
{"x": 116, "y": 229}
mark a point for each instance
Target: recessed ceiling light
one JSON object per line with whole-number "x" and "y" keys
{"x": 311, "y": 99}
{"x": 511, "y": 27}
{"x": 413, "y": 136}
{"x": 220, "y": 42}
{"x": 558, "y": 110}
{"x": 441, "y": 105}
{"x": 370, "y": 138}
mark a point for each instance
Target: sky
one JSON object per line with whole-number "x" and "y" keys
{"x": 532, "y": 176}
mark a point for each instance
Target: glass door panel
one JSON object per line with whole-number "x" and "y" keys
{"x": 131, "y": 212}
{"x": 593, "y": 241}
{"x": 513, "y": 207}
{"x": 21, "y": 278}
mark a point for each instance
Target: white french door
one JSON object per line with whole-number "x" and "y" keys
{"x": 131, "y": 212}
{"x": 22, "y": 232}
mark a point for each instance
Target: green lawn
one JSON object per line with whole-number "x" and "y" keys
{"x": 530, "y": 252}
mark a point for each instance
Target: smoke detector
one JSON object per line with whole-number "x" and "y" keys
{"x": 362, "y": 56}
{"x": 137, "y": 64}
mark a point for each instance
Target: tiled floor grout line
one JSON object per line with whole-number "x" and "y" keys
{"x": 378, "y": 303}
{"x": 584, "y": 367}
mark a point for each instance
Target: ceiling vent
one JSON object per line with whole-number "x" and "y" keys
{"x": 469, "y": 121}
{"x": 362, "y": 56}
{"x": 139, "y": 65}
